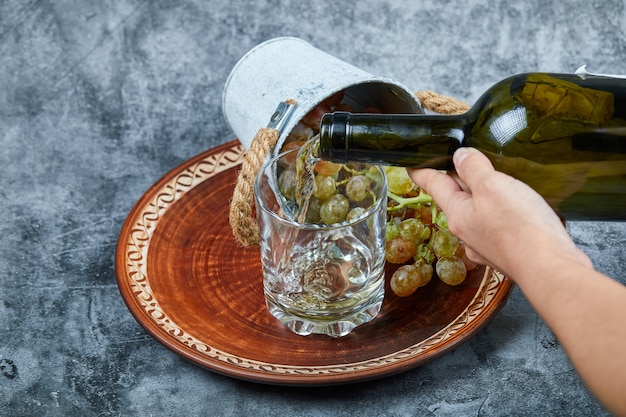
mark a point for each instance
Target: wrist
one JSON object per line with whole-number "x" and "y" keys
{"x": 545, "y": 259}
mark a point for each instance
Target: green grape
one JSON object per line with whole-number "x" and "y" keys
{"x": 460, "y": 253}
{"x": 355, "y": 213}
{"x": 357, "y": 188}
{"x": 374, "y": 175}
{"x": 399, "y": 250}
{"x": 287, "y": 183}
{"x": 411, "y": 229}
{"x": 391, "y": 230}
{"x": 425, "y": 270}
{"x": 313, "y": 211}
{"x": 424, "y": 212}
{"x": 405, "y": 280}
{"x": 354, "y": 166}
{"x": 444, "y": 243}
{"x": 451, "y": 270}
{"x": 398, "y": 180}
{"x": 335, "y": 209}
{"x": 325, "y": 187}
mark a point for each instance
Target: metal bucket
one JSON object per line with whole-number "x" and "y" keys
{"x": 288, "y": 68}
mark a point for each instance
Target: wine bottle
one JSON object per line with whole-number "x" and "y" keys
{"x": 564, "y": 135}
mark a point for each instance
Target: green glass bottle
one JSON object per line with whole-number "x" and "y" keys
{"x": 564, "y": 135}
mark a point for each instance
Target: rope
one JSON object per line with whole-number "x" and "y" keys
{"x": 242, "y": 215}
{"x": 441, "y": 104}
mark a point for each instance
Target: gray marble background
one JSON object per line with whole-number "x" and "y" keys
{"x": 98, "y": 100}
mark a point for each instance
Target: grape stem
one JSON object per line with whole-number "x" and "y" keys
{"x": 410, "y": 202}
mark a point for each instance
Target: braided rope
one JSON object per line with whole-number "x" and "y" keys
{"x": 242, "y": 216}
{"x": 441, "y": 104}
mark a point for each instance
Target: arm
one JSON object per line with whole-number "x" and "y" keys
{"x": 505, "y": 224}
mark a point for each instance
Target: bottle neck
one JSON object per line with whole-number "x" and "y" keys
{"x": 406, "y": 140}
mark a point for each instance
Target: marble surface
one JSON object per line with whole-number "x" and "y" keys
{"x": 98, "y": 100}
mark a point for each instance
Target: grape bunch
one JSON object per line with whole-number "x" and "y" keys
{"x": 340, "y": 192}
{"x": 418, "y": 239}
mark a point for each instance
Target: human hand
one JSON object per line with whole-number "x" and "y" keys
{"x": 503, "y": 222}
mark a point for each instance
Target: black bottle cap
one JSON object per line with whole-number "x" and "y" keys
{"x": 334, "y": 130}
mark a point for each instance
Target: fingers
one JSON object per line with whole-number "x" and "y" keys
{"x": 472, "y": 168}
{"x": 439, "y": 186}
{"x": 474, "y": 256}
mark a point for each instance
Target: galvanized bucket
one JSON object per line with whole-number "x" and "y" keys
{"x": 288, "y": 68}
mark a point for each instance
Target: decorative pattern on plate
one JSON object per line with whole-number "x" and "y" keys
{"x": 145, "y": 223}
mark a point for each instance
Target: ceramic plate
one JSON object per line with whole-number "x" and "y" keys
{"x": 194, "y": 288}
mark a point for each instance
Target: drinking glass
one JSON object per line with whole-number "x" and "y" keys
{"x": 322, "y": 278}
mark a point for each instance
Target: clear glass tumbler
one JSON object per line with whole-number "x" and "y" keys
{"x": 323, "y": 278}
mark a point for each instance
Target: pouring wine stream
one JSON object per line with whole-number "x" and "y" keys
{"x": 295, "y": 210}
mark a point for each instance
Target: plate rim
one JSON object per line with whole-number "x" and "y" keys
{"x": 490, "y": 297}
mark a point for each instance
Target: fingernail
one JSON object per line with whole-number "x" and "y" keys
{"x": 460, "y": 155}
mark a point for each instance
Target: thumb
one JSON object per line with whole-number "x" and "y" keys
{"x": 472, "y": 166}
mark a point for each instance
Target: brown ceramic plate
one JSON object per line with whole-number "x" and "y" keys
{"x": 197, "y": 291}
